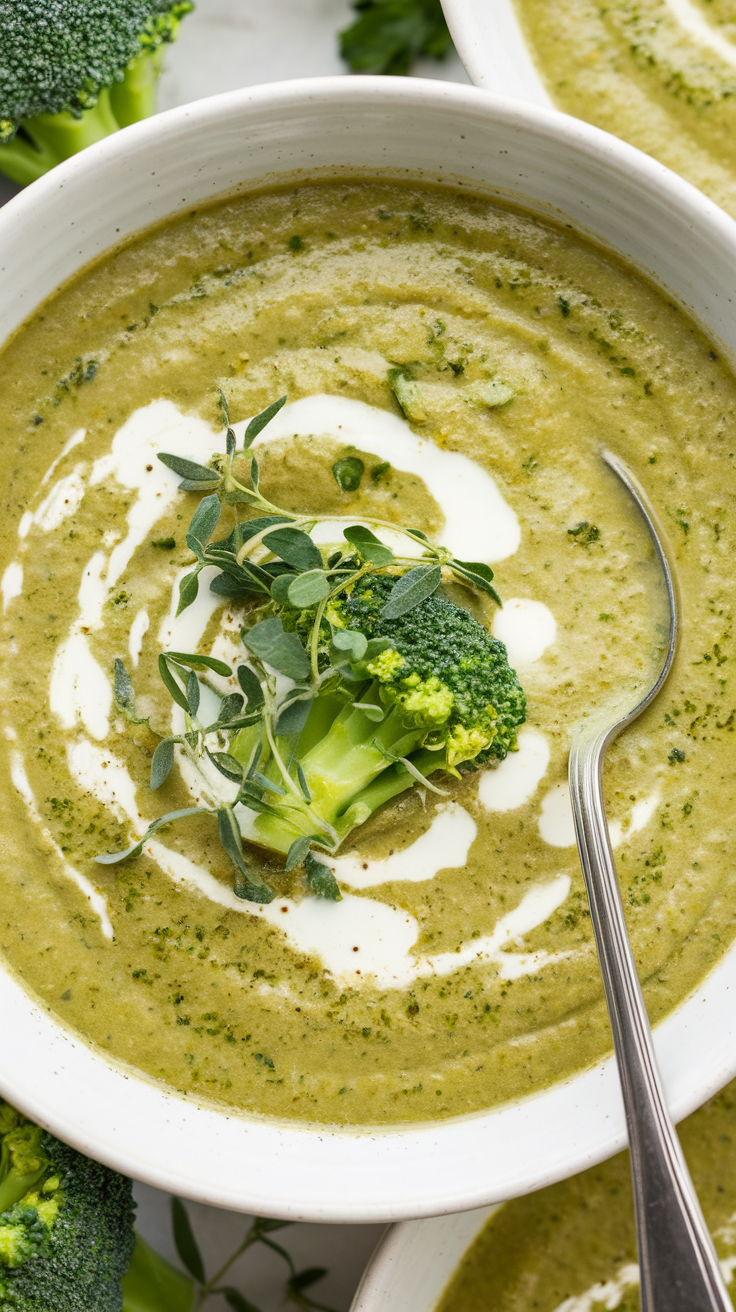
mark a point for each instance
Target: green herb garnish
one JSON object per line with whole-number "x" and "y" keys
{"x": 388, "y": 35}
{"x": 348, "y": 473}
{"x": 584, "y": 534}
{"x": 357, "y": 678}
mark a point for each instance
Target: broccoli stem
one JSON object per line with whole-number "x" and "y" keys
{"x": 347, "y": 767}
{"x": 135, "y": 97}
{"x": 153, "y": 1285}
{"x": 47, "y": 139}
{"x": 353, "y": 752}
{"x": 16, "y": 1185}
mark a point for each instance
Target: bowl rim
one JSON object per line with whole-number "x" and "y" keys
{"x": 417, "y": 1259}
{"x": 360, "y": 1153}
{"x": 490, "y": 41}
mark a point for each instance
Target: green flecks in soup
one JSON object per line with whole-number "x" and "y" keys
{"x": 659, "y": 74}
{"x": 458, "y": 970}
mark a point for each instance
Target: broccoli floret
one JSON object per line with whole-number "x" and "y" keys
{"x": 74, "y": 71}
{"x": 432, "y": 691}
{"x": 66, "y": 1224}
{"x": 443, "y": 642}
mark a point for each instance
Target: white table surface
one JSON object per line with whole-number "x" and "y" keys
{"x": 223, "y": 45}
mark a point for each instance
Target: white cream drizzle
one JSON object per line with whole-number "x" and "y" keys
{"x": 98, "y": 903}
{"x": 357, "y": 937}
{"x": 479, "y": 523}
{"x": 138, "y": 630}
{"x": 606, "y": 1294}
{"x": 727, "y": 1235}
{"x": 694, "y": 22}
{"x": 107, "y": 779}
{"x": 55, "y": 502}
{"x": 79, "y": 690}
{"x": 526, "y": 627}
{"x": 11, "y": 585}
{"x": 360, "y": 939}
{"x": 557, "y": 827}
{"x": 184, "y": 632}
{"x": 76, "y": 438}
{"x": 444, "y": 846}
{"x": 515, "y": 781}
{"x": 63, "y": 500}
{"x": 25, "y": 524}
{"x": 132, "y": 462}
{"x": 641, "y": 814}
{"x": 555, "y": 823}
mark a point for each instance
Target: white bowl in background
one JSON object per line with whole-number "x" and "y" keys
{"x": 490, "y": 42}
{"x": 414, "y": 1261}
{"x": 556, "y": 166}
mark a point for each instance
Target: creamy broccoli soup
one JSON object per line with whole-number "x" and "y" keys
{"x": 450, "y": 365}
{"x": 572, "y": 1248}
{"x": 659, "y": 73}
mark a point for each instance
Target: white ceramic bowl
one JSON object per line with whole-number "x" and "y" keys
{"x": 490, "y": 42}
{"x": 414, "y": 1261}
{"x": 556, "y": 166}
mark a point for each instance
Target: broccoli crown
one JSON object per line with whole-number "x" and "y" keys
{"x": 57, "y": 55}
{"x": 401, "y": 699}
{"x": 66, "y": 1224}
{"x": 450, "y": 670}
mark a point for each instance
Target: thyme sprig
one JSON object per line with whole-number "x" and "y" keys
{"x": 260, "y": 1231}
{"x": 270, "y": 561}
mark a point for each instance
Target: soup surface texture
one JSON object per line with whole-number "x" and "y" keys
{"x": 459, "y": 970}
{"x": 659, "y": 73}
{"x": 572, "y": 1247}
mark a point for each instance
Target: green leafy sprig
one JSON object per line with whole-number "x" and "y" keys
{"x": 272, "y": 563}
{"x": 388, "y": 35}
{"x": 194, "y": 1294}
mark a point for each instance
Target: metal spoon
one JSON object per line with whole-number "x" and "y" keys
{"x": 679, "y": 1269}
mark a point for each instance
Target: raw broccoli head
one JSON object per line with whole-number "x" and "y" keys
{"x": 419, "y": 694}
{"x": 66, "y": 1224}
{"x": 73, "y": 71}
{"x": 442, "y": 669}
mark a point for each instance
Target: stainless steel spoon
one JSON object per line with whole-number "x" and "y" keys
{"x": 679, "y": 1269}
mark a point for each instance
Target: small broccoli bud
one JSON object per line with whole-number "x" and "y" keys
{"x": 464, "y": 744}
{"x": 386, "y": 665}
{"x": 428, "y": 702}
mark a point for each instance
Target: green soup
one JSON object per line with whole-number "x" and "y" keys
{"x": 488, "y": 987}
{"x": 660, "y": 75}
{"x": 572, "y": 1248}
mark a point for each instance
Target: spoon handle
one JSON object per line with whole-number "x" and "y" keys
{"x": 679, "y": 1269}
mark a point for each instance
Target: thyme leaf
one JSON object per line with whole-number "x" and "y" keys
{"x": 124, "y": 694}
{"x": 320, "y": 879}
{"x": 161, "y": 765}
{"x": 411, "y": 590}
{"x": 111, "y": 858}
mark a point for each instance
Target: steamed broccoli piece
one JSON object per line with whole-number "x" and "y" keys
{"x": 73, "y": 72}
{"x": 431, "y": 692}
{"x": 66, "y": 1224}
